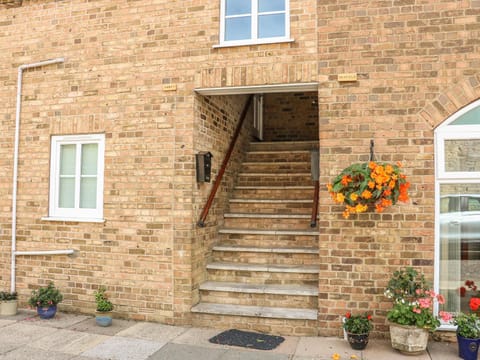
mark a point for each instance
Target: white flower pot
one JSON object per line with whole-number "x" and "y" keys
{"x": 8, "y": 308}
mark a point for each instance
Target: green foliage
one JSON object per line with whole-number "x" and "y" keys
{"x": 45, "y": 296}
{"x": 103, "y": 304}
{"x": 468, "y": 325}
{"x": 406, "y": 284}
{"x": 7, "y": 296}
{"x": 358, "y": 324}
{"x": 413, "y": 300}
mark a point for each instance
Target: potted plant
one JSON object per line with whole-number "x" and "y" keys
{"x": 358, "y": 328}
{"x": 468, "y": 331}
{"x": 45, "y": 300}
{"x": 8, "y": 303}
{"x": 411, "y": 317}
{"x": 103, "y": 316}
{"x": 369, "y": 185}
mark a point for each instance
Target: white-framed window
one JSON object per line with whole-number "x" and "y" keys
{"x": 76, "y": 177}
{"x": 244, "y": 22}
{"x": 457, "y": 208}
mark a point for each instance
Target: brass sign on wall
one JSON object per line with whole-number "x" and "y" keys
{"x": 344, "y": 77}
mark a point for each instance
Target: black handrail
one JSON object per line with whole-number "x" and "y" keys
{"x": 218, "y": 180}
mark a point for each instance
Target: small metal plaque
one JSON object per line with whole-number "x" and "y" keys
{"x": 347, "y": 77}
{"x": 169, "y": 87}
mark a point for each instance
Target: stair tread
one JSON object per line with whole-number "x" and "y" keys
{"x": 256, "y": 311}
{"x": 272, "y": 201}
{"x": 302, "y": 269}
{"x": 282, "y": 250}
{"x": 267, "y": 232}
{"x": 275, "y": 187}
{"x": 267, "y": 216}
{"x": 252, "y": 173}
{"x": 299, "y": 290}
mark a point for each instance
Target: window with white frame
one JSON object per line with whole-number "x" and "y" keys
{"x": 457, "y": 236}
{"x": 76, "y": 177}
{"x": 254, "y": 21}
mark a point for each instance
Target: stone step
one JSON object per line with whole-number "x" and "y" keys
{"x": 293, "y": 290}
{"x": 267, "y": 240}
{"x": 272, "y": 167}
{"x": 268, "y": 268}
{"x": 279, "y": 156}
{"x": 255, "y": 311}
{"x": 274, "y": 179}
{"x": 281, "y": 250}
{"x": 273, "y": 192}
{"x": 268, "y": 232}
{"x": 271, "y": 206}
{"x": 283, "y": 145}
{"x": 268, "y": 222}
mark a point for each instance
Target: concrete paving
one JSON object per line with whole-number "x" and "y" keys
{"x": 69, "y": 336}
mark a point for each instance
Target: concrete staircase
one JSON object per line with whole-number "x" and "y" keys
{"x": 263, "y": 274}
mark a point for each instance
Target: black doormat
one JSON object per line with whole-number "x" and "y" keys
{"x": 247, "y": 339}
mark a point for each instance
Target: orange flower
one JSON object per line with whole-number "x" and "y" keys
{"x": 340, "y": 198}
{"x": 360, "y": 208}
{"x": 345, "y": 180}
{"x": 371, "y": 184}
{"x": 329, "y": 187}
{"x": 353, "y": 196}
{"x": 391, "y": 184}
{"x": 366, "y": 194}
{"x": 372, "y": 165}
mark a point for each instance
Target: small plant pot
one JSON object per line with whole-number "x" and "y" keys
{"x": 47, "y": 312}
{"x": 8, "y": 308}
{"x": 103, "y": 319}
{"x": 468, "y": 348}
{"x": 357, "y": 341}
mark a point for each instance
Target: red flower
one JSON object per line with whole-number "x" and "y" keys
{"x": 474, "y": 303}
{"x": 462, "y": 291}
{"x": 369, "y": 317}
{"x": 347, "y": 315}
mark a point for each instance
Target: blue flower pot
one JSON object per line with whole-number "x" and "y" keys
{"x": 468, "y": 348}
{"x": 103, "y": 318}
{"x": 47, "y": 312}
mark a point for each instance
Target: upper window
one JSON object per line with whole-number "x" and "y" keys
{"x": 76, "y": 177}
{"x": 254, "y": 21}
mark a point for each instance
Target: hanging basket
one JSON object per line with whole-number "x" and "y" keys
{"x": 363, "y": 186}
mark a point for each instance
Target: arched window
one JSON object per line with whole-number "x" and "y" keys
{"x": 457, "y": 250}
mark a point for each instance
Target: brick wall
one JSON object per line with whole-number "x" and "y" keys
{"x": 291, "y": 116}
{"x": 119, "y": 56}
{"x": 417, "y": 63}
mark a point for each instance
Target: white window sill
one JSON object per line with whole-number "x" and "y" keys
{"x": 252, "y": 42}
{"x": 55, "y": 218}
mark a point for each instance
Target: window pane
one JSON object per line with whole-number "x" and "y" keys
{"x": 88, "y": 193}
{"x": 67, "y": 159}
{"x": 462, "y": 155}
{"x": 237, "y": 7}
{"x": 238, "y": 28}
{"x": 66, "y": 194}
{"x": 271, "y": 5}
{"x": 471, "y": 117}
{"x": 271, "y": 26}
{"x": 89, "y": 159}
{"x": 459, "y": 243}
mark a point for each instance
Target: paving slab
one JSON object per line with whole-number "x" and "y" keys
{"x": 323, "y": 348}
{"x": 26, "y": 352}
{"x": 198, "y": 336}
{"x": 89, "y": 325}
{"x": 21, "y": 314}
{"x": 120, "y": 348}
{"x": 68, "y": 341}
{"x": 187, "y": 352}
{"x": 154, "y": 332}
{"x": 443, "y": 350}
{"x": 18, "y": 334}
{"x": 59, "y": 321}
{"x": 4, "y": 322}
{"x": 252, "y": 355}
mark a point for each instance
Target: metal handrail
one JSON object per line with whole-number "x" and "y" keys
{"x": 218, "y": 180}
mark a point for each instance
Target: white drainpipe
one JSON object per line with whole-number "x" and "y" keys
{"x": 15, "y": 173}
